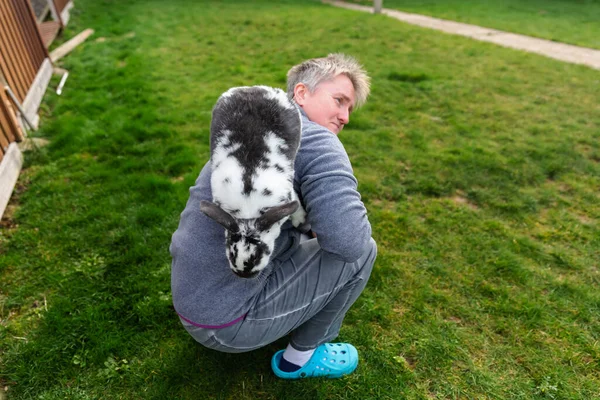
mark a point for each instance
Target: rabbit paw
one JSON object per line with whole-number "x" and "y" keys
{"x": 299, "y": 217}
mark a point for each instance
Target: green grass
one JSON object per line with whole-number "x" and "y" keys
{"x": 574, "y": 22}
{"x": 479, "y": 166}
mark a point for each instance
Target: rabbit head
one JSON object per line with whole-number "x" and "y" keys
{"x": 250, "y": 242}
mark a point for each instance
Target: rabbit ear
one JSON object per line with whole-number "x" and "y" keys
{"x": 274, "y": 214}
{"x": 218, "y": 214}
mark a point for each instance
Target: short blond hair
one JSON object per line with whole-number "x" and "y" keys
{"x": 316, "y": 70}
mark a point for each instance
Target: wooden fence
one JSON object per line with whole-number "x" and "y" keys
{"x": 24, "y": 66}
{"x": 26, "y": 69}
{"x": 9, "y": 128}
{"x": 60, "y": 18}
{"x": 60, "y": 4}
{"x": 60, "y": 10}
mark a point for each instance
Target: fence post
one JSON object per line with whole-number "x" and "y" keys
{"x": 377, "y": 4}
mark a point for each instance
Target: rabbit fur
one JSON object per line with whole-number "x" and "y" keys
{"x": 255, "y": 135}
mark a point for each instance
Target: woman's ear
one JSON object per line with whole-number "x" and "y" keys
{"x": 300, "y": 92}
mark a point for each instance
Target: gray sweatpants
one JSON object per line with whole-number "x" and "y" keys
{"x": 308, "y": 293}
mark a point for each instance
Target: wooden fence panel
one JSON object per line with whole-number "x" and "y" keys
{"x": 34, "y": 32}
{"x": 27, "y": 18}
{"x": 14, "y": 70}
{"x": 9, "y": 128}
{"x": 26, "y": 67}
{"x": 25, "y": 70}
{"x": 21, "y": 48}
{"x": 21, "y": 40}
{"x": 22, "y": 54}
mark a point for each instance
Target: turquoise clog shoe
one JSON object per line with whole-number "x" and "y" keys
{"x": 330, "y": 360}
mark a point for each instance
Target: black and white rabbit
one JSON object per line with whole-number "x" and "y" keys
{"x": 255, "y": 135}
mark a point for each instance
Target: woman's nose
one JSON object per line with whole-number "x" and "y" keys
{"x": 344, "y": 116}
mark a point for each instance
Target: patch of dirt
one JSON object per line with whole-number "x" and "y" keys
{"x": 7, "y": 222}
{"x": 456, "y": 320}
{"x": 406, "y": 362}
{"x": 411, "y": 362}
{"x": 564, "y": 187}
{"x": 461, "y": 198}
{"x": 384, "y": 205}
{"x": 585, "y": 219}
{"x": 399, "y": 310}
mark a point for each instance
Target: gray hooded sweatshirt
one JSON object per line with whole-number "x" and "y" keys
{"x": 206, "y": 292}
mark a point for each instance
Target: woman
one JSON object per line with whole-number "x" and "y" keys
{"x": 312, "y": 279}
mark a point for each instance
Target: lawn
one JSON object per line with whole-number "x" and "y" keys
{"x": 479, "y": 165}
{"x": 573, "y": 22}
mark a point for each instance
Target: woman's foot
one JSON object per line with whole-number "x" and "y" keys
{"x": 292, "y": 360}
{"x": 329, "y": 360}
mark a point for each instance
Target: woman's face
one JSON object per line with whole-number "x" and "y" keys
{"x": 330, "y": 104}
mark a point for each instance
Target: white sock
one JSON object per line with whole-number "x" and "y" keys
{"x": 297, "y": 357}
